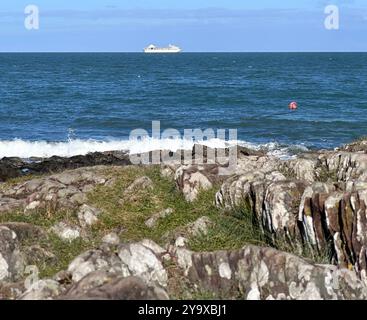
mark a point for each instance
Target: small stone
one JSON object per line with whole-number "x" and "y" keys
{"x": 42, "y": 290}
{"x": 66, "y": 232}
{"x": 166, "y": 257}
{"x": 87, "y": 216}
{"x": 88, "y": 188}
{"x": 200, "y": 226}
{"x": 168, "y": 172}
{"x": 157, "y": 249}
{"x": 181, "y": 242}
{"x": 190, "y": 182}
{"x": 143, "y": 183}
{"x": 79, "y": 198}
{"x": 62, "y": 276}
{"x": 32, "y": 206}
{"x": 111, "y": 238}
{"x": 110, "y": 183}
{"x": 153, "y": 220}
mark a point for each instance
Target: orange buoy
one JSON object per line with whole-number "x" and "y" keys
{"x": 293, "y": 105}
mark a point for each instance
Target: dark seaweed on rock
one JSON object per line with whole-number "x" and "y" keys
{"x": 16, "y": 167}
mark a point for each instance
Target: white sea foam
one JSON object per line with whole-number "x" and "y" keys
{"x": 26, "y": 149}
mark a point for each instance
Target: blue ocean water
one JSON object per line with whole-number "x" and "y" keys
{"x": 72, "y": 103}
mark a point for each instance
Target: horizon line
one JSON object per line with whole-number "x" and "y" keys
{"x": 184, "y": 52}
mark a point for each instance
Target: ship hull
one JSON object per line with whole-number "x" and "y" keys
{"x": 161, "y": 51}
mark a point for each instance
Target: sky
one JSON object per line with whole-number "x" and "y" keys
{"x": 194, "y": 25}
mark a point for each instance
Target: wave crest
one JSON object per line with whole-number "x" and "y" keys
{"x": 43, "y": 149}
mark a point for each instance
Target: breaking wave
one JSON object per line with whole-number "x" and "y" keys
{"x": 43, "y": 149}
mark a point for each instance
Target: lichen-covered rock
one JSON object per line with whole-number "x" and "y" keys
{"x": 168, "y": 171}
{"x": 25, "y": 231}
{"x": 42, "y": 290}
{"x": 66, "y": 190}
{"x": 355, "y": 146}
{"x": 253, "y": 163}
{"x": 12, "y": 260}
{"x": 302, "y": 168}
{"x": 346, "y": 165}
{"x": 256, "y": 273}
{"x": 199, "y": 227}
{"x": 243, "y": 188}
{"x": 272, "y": 199}
{"x": 88, "y": 215}
{"x": 37, "y": 255}
{"x": 136, "y": 259}
{"x": 100, "y": 285}
{"x": 328, "y": 217}
{"x": 280, "y": 207}
{"x": 104, "y": 259}
{"x": 336, "y": 220}
{"x": 191, "y": 179}
{"x": 142, "y": 183}
{"x": 141, "y": 261}
{"x": 111, "y": 238}
{"x": 65, "y": 231}
{"x": 11, "y": 290}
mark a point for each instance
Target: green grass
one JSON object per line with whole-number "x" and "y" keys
{"x": 230, "y": 229}
{"x": 131, "y": 215}
{"x": 65, "y": 252}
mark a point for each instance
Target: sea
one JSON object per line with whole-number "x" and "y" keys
{"x": 68, "y": 104}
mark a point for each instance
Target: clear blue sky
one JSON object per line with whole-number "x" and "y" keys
{"x": 195, "y": 25}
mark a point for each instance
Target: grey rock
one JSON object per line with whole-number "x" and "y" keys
{"x": 100, "y": 285}
{"x": 142, "y": 183}
{"x": 190, "y": 179}
{"x": 67, "y": 190}
{"x": 255, "y": 273}
{"x": 111, "y": 238}
{"x": 273, "y": 200}
{"x": 12, "y": 260}
{"x": 36, "y": 255}
{"x": 199, "y": 227}
{"x": 11, "y": 290}
{"x": 42, "y": 290}
{"x": 25, "y": 231}
{"x": 168, "y": 171}
{"x": 88, "y": 215}
{"x": 141, "y": 261}
{"x": 133, "y": 259}
{"x": 66, "y": 232}
{"x": 335, "y": 220}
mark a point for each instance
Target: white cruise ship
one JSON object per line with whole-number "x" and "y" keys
{"x": 170, "y": 49}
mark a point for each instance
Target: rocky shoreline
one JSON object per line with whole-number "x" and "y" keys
{"x": 98, "y": 227}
